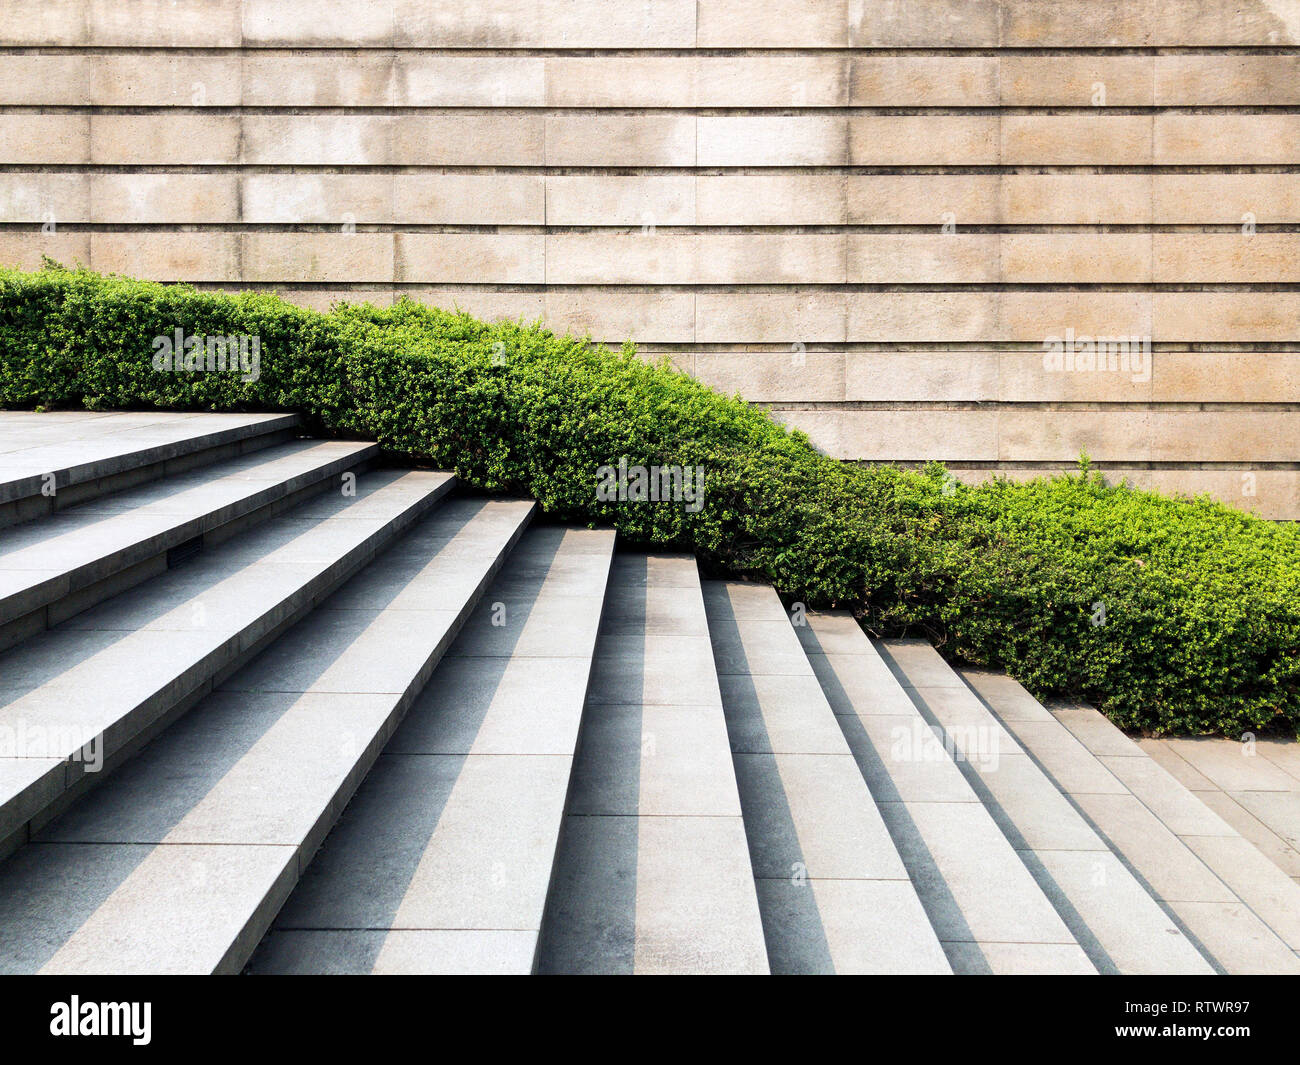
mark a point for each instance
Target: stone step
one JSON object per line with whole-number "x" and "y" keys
{"x": 180, "y": 862}
{"x": 55, "y": 568}
{"x": 442, "y": 861}
{"x": 834, "y": 894}
{"x": 989, "y": 912}
{"x": 1110, "y": 912}
{"x": 1241, "y": 909}
{"x": 49, "y": 461}
{"x": 77, "y": 699}
{"x": 653, "y": 872}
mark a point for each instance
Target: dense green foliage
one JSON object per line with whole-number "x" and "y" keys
{"x": 1169, "y": 615}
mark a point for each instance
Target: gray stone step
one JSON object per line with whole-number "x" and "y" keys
{"x": 49, "y": 461}
{"x": 180, "y": 862}
{"x": 834, "y": 894}
{"x": 1240, "y": 907}
{"x": 653, "y": 872}
{"x": 989, "y": 912}
{"x": 67, "y": 562}
{"x": 442, "y": 861}
{"x": 75, "y": 699}
{"x": 1121, "y": 927}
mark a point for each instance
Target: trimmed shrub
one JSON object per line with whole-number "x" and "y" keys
{"x": 1168, "y": 615}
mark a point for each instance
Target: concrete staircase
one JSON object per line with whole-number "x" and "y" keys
{"x": 268, "y": 707}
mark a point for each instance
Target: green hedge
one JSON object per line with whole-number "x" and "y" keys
{"x": 1198, "y": 604}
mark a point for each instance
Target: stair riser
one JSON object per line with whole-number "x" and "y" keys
{"x": 25, "y": 502}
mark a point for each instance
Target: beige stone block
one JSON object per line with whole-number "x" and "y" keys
{"x": 770, "y": 199}
{"x": 160, "y": 79}
{"x": 470, "y": 258}
{"x": 1226, "y": 198}
{"x": 469, "y": 139}
{"x": 1112, "y": 377}
{"x": 1036, "y": 315}
{"x": 921, "y": 317}
{"x": 165, "y": 23}
{"x": 489, "y": 305}
{"x": 469, "y": 199}
{"x": 917, "y": 435}
{"x": 683, "y": 361}
{"x": 1270, "y": 494}
{"x": 301, "y": 79}
{"x": 29, "y": 196}
{"x": 331, "y": 199}
{"x": 773, "y": 140}
{"x": 1227, "y": 257}
{"x": 1073, "y": 139}
{"x": 931, "y": 24}
{"x": 614, "y": 315}
{"x": 621, "y": 80}
{"x": 1081, "y": 258}
{"x": 1207, "y": 317}
{"x": 1076, "y": 199}
{"x": 470, "y": 81}
{"x": 163, "y": 139}
{"x": 922, "y": 258}
{"x": 772, "y": 81}
{"x": 929, "y": 199}
{"x": 770, "y": 259}
{"x": 156, "y": 256}
{"x": 1076, "y": 80}
{"x": 776, "y": 317}
{"x": 546, "y": 24}
{"x": 1061, "y": 435}
{"x": 958, "y": 375}
{"x": 1208, "y": 23}
{"x": 1077, "y": 23}
{"x": 824, "y": 428}
{"x": 643, "y": 200}
{"x": 622, "y": 258}
{"x": 343, "y": 258}
{"x": 1225, "y": 436}
{"x": 1226, "y": 377}
{"x": 924, "y": 81}
{"x": 774, "y": 376}
{"x": 29, "y": 138}
{"x": 1200, "y": 79}
{"x": 1213, "y": 138}
{"x": 131, "y": 198}
{"x": 923, "y": 140}
{"x": 44, "y": 23}
{"x": 44, "y": 79}
{"x": 317, "y": 140}
{"x": 596, "y": 139}
{"x": 24, "y": 250}
{"x": 317, "y": 23}
{"x": 773, "y": 24}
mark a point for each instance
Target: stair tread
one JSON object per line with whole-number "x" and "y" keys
{"x": 80, "y": 449}
{"x": 653, "y": 872}
{"x": 1242, "y": 908}
{"x": 834, "y": 892}
{"x": 108, "y": 673}
{"x": 43, "y": 561}
{"x": 259, "y": 770}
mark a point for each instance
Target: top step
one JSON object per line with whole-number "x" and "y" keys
{"x": 52, "y": 460}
